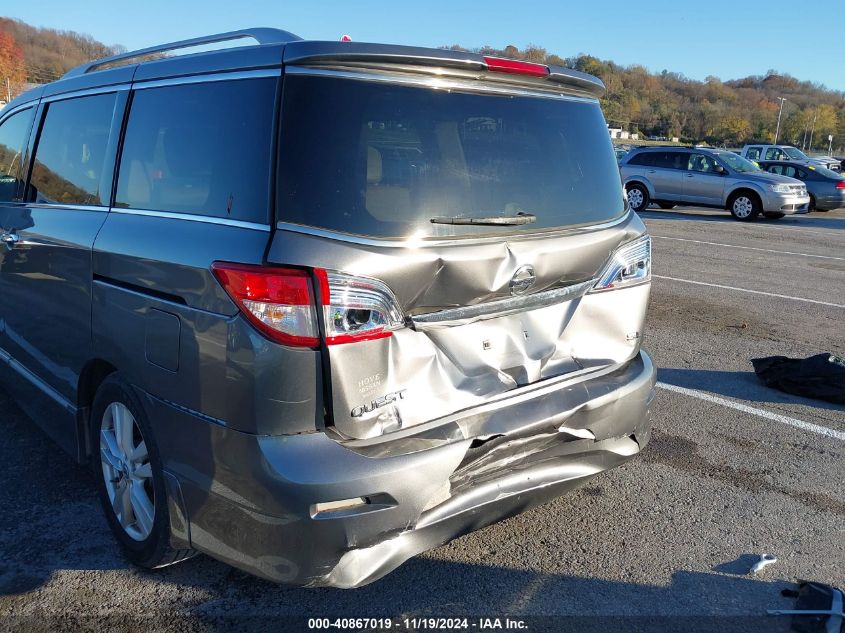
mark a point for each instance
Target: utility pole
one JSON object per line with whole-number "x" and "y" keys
{"x": 810, "y": 148}
{"x": 830, "y": 145}
{"x": 8, "y": 91}
{"x": 780, "y": 112}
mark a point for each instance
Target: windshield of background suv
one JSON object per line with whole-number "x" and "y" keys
{"x": 795, "y": 154}
{"x": 382, "y": 160}
{"x": 737, "y": 163}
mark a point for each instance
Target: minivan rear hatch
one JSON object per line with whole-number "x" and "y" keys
{"x": 455, "y": 224}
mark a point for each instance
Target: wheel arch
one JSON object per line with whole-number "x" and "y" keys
{"x": 639, "y": 180}
{"x": 91, "y": 377}
{"x": 740, "y": 189}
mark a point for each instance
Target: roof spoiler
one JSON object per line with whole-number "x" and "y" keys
{"x": 315, "y": 52}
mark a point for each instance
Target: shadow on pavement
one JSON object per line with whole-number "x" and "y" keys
{"x": 52, "y": 531}
{"x": 743, "y": 385}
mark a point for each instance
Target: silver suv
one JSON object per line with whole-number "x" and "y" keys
{"x": 668, "y": 176}
{"x": 312, "y": 308}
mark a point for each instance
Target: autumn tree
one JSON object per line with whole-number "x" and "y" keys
{"x": 12, "y": 68}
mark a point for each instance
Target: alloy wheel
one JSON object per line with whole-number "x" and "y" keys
{"x": 743, "y": 207}
{"x": 127, "y": 471}
{"x": 635, "y": 198}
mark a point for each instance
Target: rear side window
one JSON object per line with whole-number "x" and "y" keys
{"x": 384, "y": 159}
{"x": 753, "y": 153}
{"x": 71, "y": 151}
{"x": 14, "y": 132}
{"x": 643, "y": 158}
{"x": 202, "y": 149}
{"x": 669, "y": 160}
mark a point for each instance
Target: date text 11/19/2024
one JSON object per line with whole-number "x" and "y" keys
{"x": 417, "y": 624}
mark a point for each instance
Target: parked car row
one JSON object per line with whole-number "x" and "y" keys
{"x": 707, "y": 177}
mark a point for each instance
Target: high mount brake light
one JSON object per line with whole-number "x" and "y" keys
{"x": 280, "y": 302}
{"x": 277, "y": 301}
{"x": 516, "y": 67}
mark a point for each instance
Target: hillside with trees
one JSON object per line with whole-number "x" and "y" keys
{"x": 30, "y": 54}
{"x": 728, "y": 113}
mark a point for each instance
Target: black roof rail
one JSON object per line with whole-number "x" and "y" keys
{"x": 261, "y": 35}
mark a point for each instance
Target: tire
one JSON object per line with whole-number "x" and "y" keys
{"x": 812, "y": 205}
{"x": 666, "y": 205}
{"x": 744, "y": 206}
{"x": 774, "y": 216}
{"x": 638, "y": 198}
{"x": 130, "y": 478}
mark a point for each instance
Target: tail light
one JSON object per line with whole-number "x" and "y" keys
{"x": 280, "y": 302}
{"x": 277, "y": 301}
{"x": 357, "y": 308}
{"x": 515, "y": 67}
{"x": 629, "y": 265}
{"x": 840, "y": 185}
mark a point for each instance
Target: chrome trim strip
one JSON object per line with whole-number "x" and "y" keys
{"x": 99, "y": 90}
{"x": 5, "y": 114}
{"x": 447, "y": 241}
{"x": 54, "y": 395}
{"x": 197, "y": 79}
{"x": 172, "y": 215}
{"x": 472, "y": 84}
{"x": 500, "y": 307}
{"x": 56, "y": 206}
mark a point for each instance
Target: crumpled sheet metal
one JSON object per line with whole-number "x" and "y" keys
{"x": 452, "y": 369}
{"x": 459, "y": 272}
{"x": 480, "y": 506}
{"x": 417, "y": 375}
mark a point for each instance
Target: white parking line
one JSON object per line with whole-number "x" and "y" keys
{"x": 748, "y": 248}
{"x": 756, "y": 292}
{"x": 793, "y": 422}
{"x": 804, "y": 228}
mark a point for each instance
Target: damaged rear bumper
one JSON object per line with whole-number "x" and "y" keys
{"x": 312, "y": 510}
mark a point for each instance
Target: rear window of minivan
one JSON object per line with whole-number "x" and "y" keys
{"x": 382, "y": 159}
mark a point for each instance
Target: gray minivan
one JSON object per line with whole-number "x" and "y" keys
{"x": 315, "y": 307}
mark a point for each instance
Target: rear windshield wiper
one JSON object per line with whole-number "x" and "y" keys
{"x": 497, "y": 220}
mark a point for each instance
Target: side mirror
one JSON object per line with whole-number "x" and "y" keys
{"x": 721, "y": 170}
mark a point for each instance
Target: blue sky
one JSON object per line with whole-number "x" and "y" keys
{"x": 713, "y": 37}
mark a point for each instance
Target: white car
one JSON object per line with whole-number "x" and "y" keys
{"x": 787, "y": 152}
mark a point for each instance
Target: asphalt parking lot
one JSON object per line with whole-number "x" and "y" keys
{"x": 734, "y": 470}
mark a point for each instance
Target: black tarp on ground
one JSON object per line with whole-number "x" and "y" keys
{"x": 821, "y": 376}
{"x": 815, "y": 596}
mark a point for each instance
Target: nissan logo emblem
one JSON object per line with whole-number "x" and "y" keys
{"x": 522, "y": 280}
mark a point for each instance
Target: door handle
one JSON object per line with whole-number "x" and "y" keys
{"x": 10, "y": 239}
{"x": 651, "y": 171}
{"x": 690, "y": 175}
